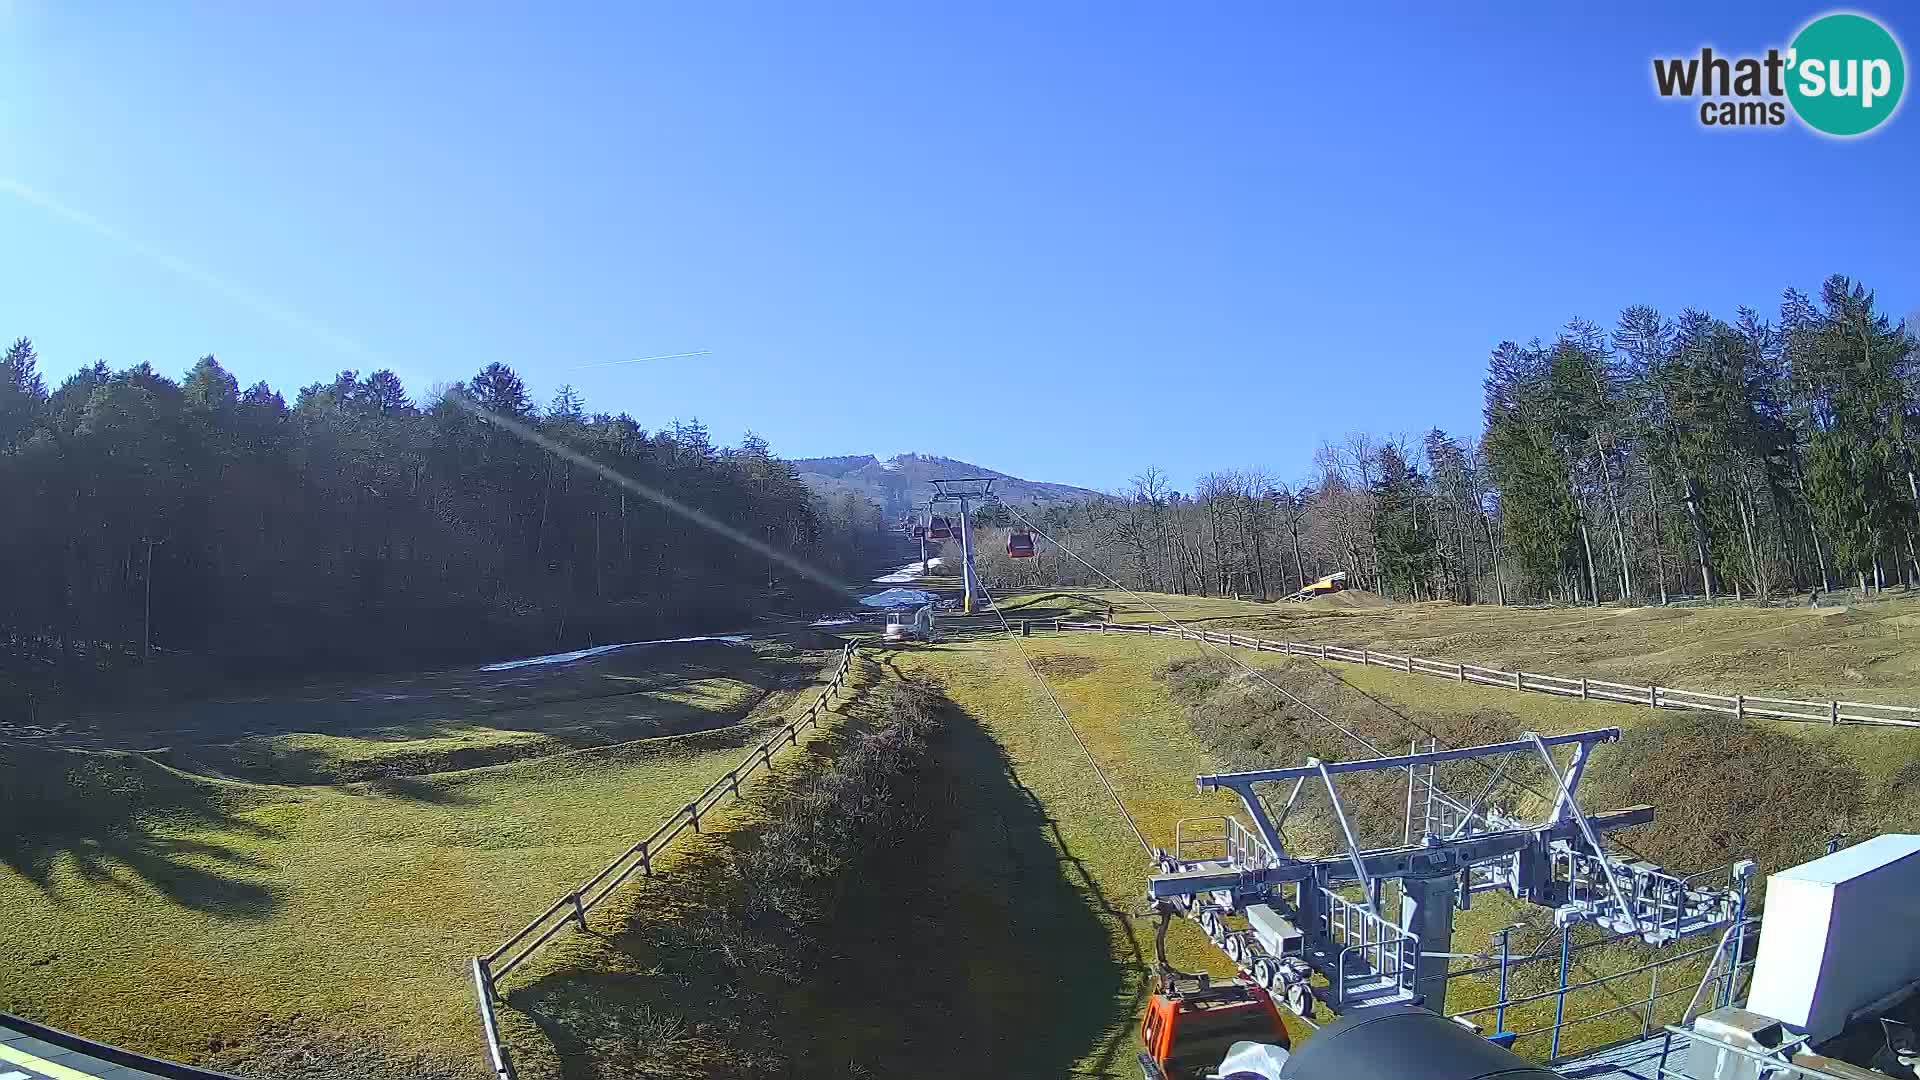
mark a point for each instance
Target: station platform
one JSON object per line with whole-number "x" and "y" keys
{"x": 34, "y": 1051}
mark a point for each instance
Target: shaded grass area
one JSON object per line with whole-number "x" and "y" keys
{"x": 298, "y": 930}
{"x": 1139, "y": 737}
{"x": 448, "y": 744}
{"x": 856, "y": 921}
{"x": 594, "y": 701}
{"x": 1867, "y": 652}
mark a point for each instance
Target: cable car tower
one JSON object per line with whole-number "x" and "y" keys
{"x": 1324, "y": 916}
{"x": 961, "y": 492}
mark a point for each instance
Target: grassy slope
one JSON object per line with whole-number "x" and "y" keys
{"x": 217, "y": 920}
{"x": 353, "y": 906}
{"x": 1140, "y": 734}
{"x": 972, "y": 949}
{"x": 1870, "y": 652}
{"x": 1140, "y": 738}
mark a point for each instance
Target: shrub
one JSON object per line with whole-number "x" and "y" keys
{"x": 858, "y": 802}
{"x": 1722, "y": 787}
{"x": 1246, "y": 724}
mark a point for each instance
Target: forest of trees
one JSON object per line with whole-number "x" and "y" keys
{"x": 1661, "y": 458}
{"x": 149, "y": 518}
{"x": 1657, "y": 459}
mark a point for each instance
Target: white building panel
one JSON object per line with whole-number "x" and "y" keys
{"x": 1838, "y": 933}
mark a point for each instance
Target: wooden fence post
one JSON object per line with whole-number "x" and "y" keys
{"x": 1409, "y": 664}
{"x": 1739, "y": 706}
{"x": 646, "y": 860}
{"x": 693, "y": 811}
{"x": 1289, "y": 647}
{"x": 1459, "y": 673}
{"x": 1653, "y": 697}
{"x": 1583, "y": 688}
{"x": 1519, "y": 680}
{"x": 1323, "y": 652}
{"x": 1833, "y": 714}
{"x": 1366, "y": 658}
{"x": 579, "y": 911}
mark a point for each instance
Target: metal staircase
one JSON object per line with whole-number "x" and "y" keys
{"x": 1372, "y": 961}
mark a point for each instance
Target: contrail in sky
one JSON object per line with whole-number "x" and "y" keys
{"x": 644, "y": 359}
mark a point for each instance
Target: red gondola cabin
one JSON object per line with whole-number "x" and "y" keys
{"x": 1020, "y": 545}
{"x": 1186, "y": 1034}
{"x": 940, "y": 529}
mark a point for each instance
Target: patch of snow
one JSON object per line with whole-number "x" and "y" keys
{"x": 898, "y": 598}
{"x": 905, "y": 572}
{"x": 582, "y": 654}
{"x": 833, "y": 622}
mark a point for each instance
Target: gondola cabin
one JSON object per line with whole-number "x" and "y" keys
{"x": 1185, "y": 1034}
{"x": 939, "y": 529}
{"x": 1020, "y": 545}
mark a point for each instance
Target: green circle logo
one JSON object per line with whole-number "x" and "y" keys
{"x": 1845, "y": 74}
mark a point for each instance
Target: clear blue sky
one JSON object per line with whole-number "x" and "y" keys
{"x": 1099, "y": 235}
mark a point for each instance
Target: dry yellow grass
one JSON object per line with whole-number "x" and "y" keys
{"x": 1863, "y": 652}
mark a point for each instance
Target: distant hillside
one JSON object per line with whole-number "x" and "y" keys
{"x": 903, "y": 481}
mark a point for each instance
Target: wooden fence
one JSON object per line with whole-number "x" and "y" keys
{"x": 571, "y": 908}
{"x": 1658, "y": 697}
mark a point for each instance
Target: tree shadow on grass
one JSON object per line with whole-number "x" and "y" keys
{"x": 400, "y": 761}
{"x": 965, "y": 946}
{"x": 96, "y": 813}
{"x": 589, "y": 702}
{"x": 414, "y": 789}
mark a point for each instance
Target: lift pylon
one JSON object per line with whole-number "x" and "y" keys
{"x": 1322, "y": 915}
{"x": 963, "y": 492}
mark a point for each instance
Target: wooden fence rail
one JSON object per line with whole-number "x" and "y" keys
{"x": 1831, "y": 712}
{"x": 572, "y": 907}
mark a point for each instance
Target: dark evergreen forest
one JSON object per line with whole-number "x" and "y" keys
{"x": 183, "y": 533}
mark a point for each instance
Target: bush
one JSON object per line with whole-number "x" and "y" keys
{"x": 859, "y": 802}
{"x": 1245, "y": 724}
{"x": 1722, "y": 788}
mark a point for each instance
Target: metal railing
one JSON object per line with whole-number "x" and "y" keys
{"x": 1379, "y": 948}
{"x": 1661, "y": 904}
{"x": 1771, "y": 1064}
{"x": 1725, "y": 982}
{"x": 572, "y": 907}
{"x": 1227, "y": 838}
{"x": 1832, "y": 712}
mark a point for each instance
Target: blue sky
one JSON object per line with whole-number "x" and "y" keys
{"x": 1064, "y": 240}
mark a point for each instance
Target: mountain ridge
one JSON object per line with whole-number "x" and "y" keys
{"x": 904, "y": 480}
